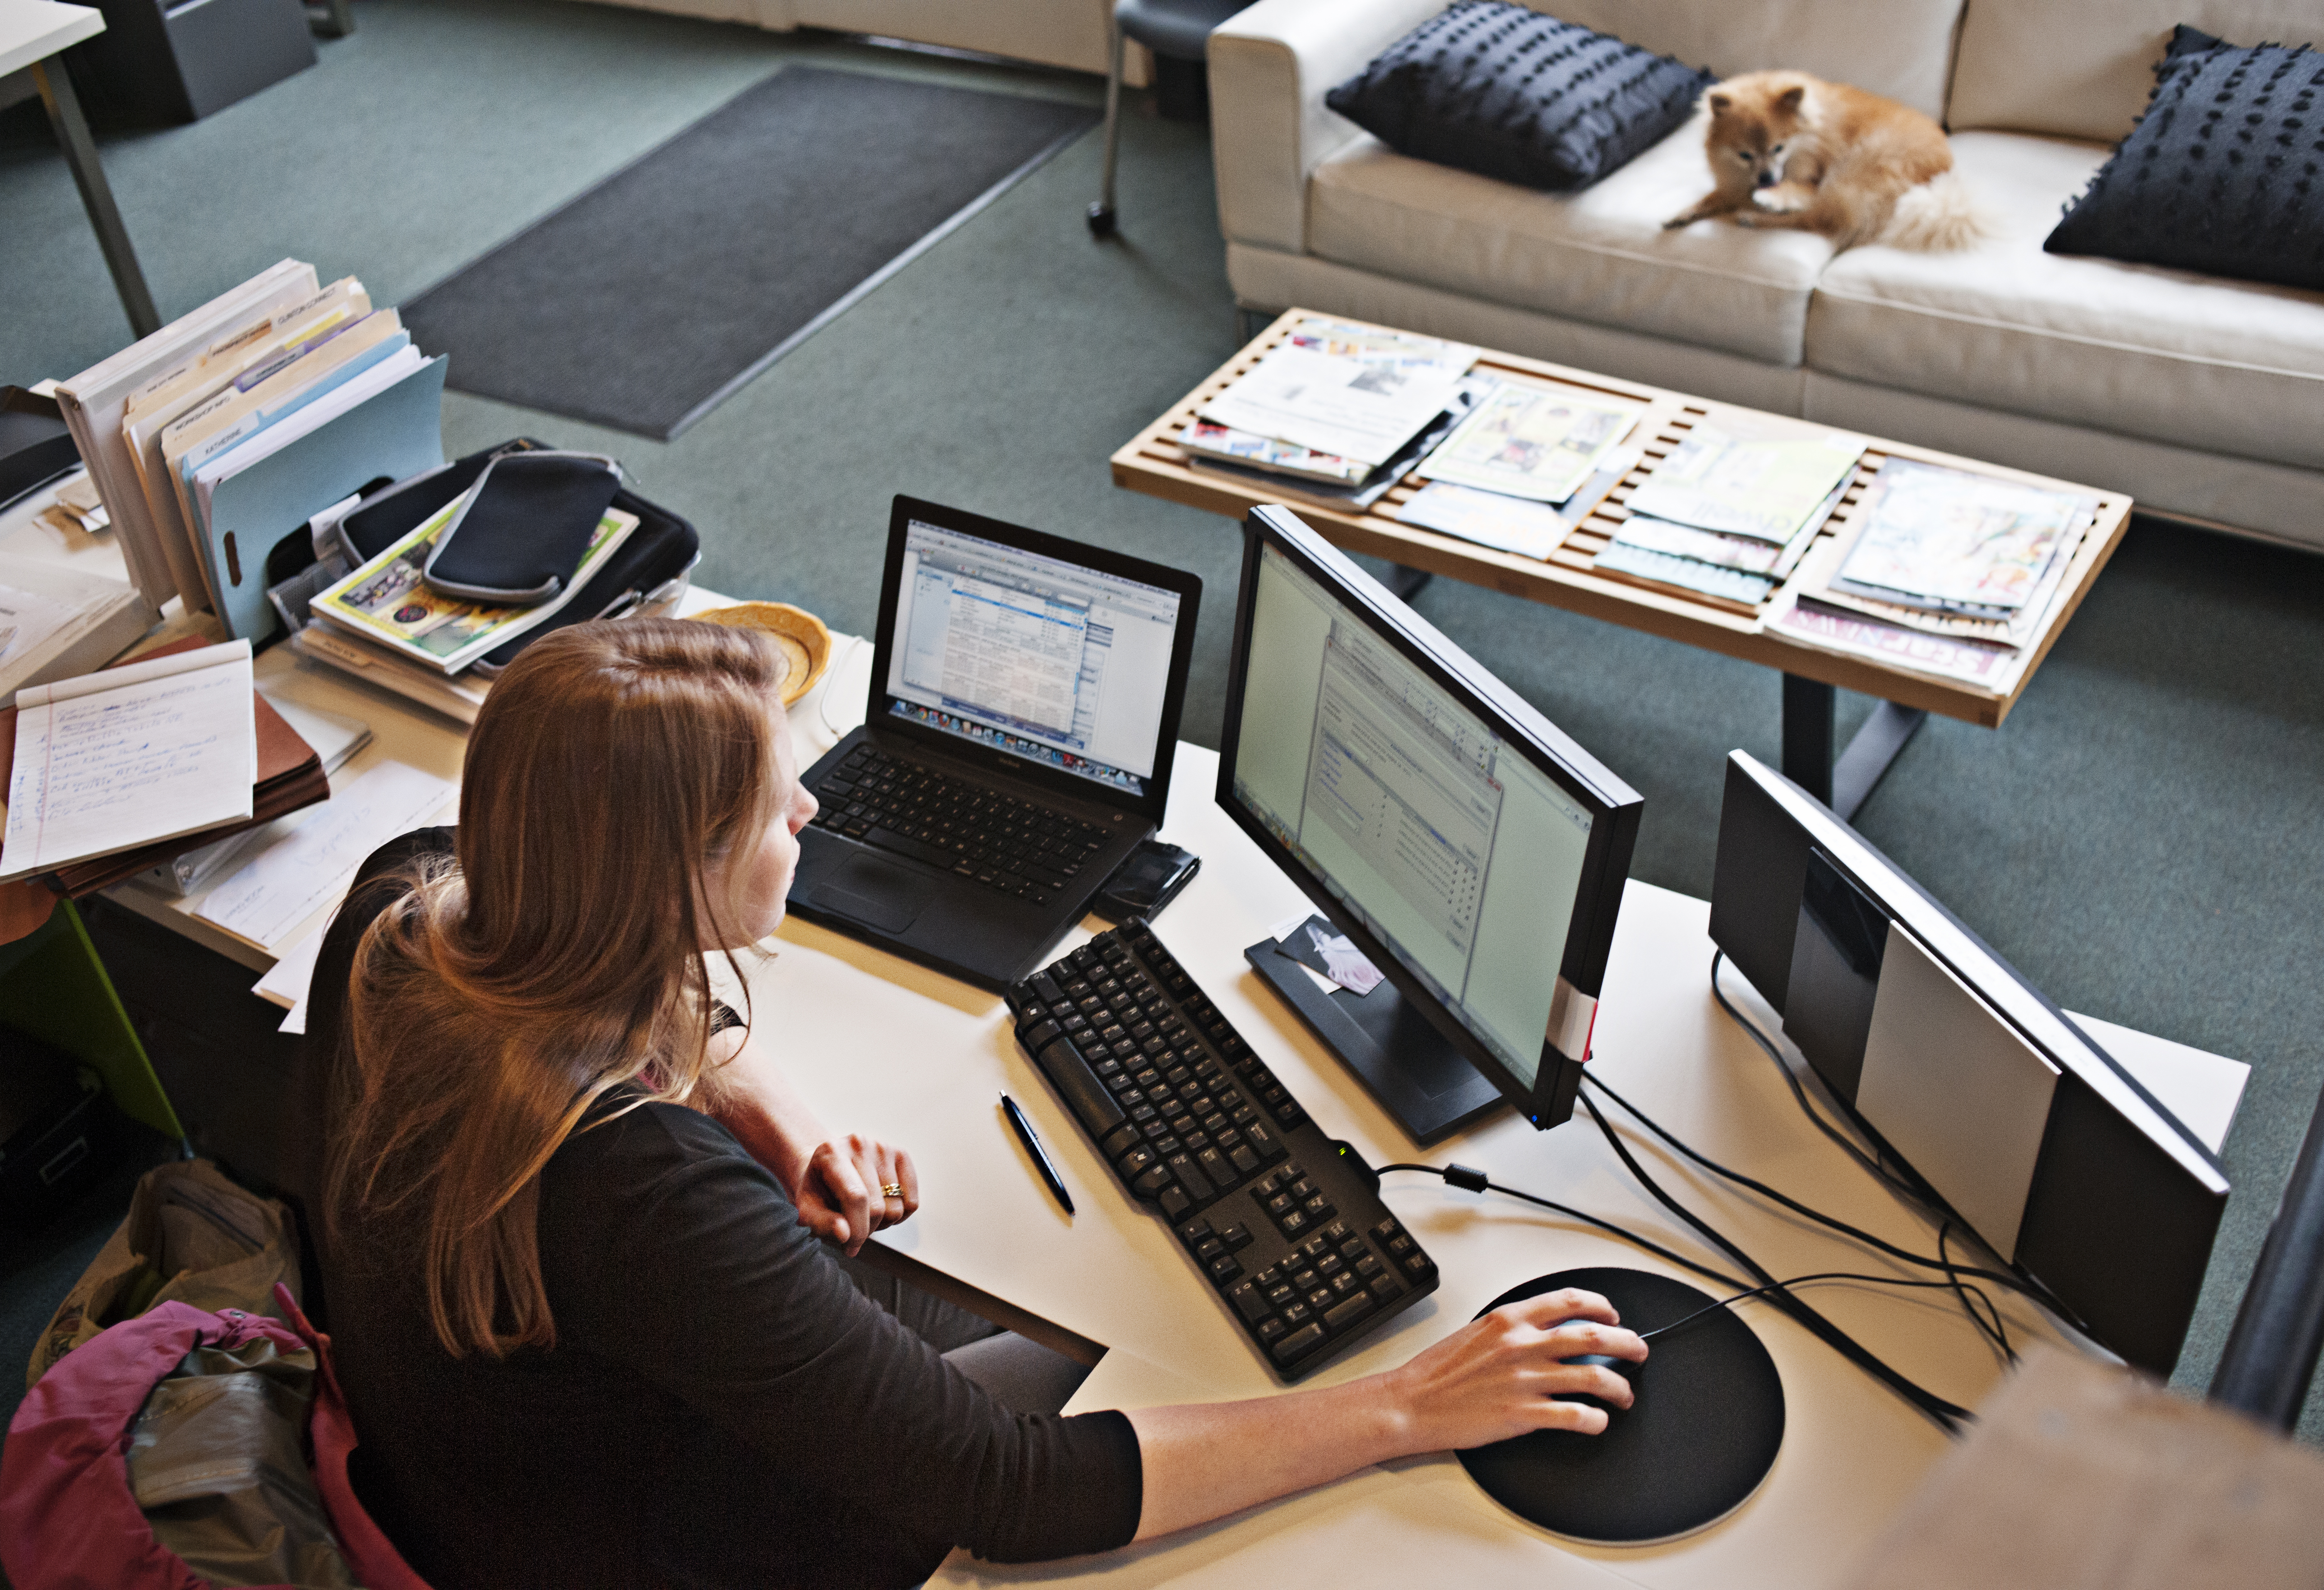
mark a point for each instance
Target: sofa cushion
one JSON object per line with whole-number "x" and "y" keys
{"x": 1899, "y": 48}
{"x": 1598, "y": 254}
{"x": 2143, "y": 350}
{"x": 2082, "y": 68}
{"x": 2222, "y": 174}
{"x": 1494, "y": 88}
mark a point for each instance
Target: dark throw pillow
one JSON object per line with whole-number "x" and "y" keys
{"x": 2225, "y": 173}
{"x": 1498, "y": 89}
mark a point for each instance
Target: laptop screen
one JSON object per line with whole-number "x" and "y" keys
{"x": 1059, "y": 664}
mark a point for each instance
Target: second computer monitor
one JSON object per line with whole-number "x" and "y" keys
{"x": 1472, "y": 852}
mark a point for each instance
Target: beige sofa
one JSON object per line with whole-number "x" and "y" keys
{"x": 1053, "y": 33}
{"x": 2202, "y": 396}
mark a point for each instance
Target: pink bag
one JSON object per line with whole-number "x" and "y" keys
{"x": 68, "y": 1517}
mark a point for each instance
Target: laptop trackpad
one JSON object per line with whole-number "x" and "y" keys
{"x": 876, "y": 894}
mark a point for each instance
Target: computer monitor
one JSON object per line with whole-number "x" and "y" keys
{"x": 2008, "y": 1112}
{"x": 1473, "y": 853}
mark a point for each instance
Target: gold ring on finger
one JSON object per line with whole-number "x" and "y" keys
{"x": 893, "y": 1188}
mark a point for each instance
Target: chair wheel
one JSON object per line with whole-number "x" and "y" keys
{"x": 1101, "y": 220}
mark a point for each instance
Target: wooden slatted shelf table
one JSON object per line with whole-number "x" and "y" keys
{"x": 1153, "y": 462}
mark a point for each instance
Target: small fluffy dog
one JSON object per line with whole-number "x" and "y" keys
{"x": 1789, "y": 150}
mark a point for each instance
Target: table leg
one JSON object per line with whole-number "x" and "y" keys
{"x": 1406, "y": 583}
{"x": 334, "y": 19}
{"x": 96, "y": 196}
{"x": 1809, "y": 708}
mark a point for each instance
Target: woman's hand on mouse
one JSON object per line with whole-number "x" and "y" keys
{"x": 1499, "y": 1376}
{"x": 841, "y": 1193}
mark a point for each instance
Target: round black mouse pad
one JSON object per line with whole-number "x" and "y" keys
{"x": 1701, "y": 1433}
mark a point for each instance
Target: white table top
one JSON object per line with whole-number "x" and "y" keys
{"x": 882, "y": 1045}
{"x": 35, "y": 30}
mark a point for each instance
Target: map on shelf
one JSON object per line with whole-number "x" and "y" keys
{"x": 1765, "y": 487}
{"x": 1537, "y": 443}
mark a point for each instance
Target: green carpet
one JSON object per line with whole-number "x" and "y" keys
{"x": 2143, "y": 837}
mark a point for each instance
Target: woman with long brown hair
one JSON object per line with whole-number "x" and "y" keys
{"x": 576, "y": 1232}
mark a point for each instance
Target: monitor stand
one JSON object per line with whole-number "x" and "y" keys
{"x": 1418, "y": 1077}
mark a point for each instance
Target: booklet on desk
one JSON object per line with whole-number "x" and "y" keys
{"x": 280, "y": 774}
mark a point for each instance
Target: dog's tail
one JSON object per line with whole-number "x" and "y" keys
{"x": 1937, "y": 215}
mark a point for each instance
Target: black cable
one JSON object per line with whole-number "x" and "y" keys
{"x": 1847, "y": 1143}
{"x": 1947, "y": 1415}
{"x": 1475, "y": 1181}
{"x": 1821, "y": 1276}
{"x": 1998, "y": 1330}
{"x": 1999, "y": 1278}
{"x": 1921, "y": 1196}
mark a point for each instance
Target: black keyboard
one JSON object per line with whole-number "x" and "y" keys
{"x": 1291, "y": 1234}
{"x": 1018, "y": 847}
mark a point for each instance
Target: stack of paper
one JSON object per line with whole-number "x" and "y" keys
{"x": 79, "y": 507}
{"x": 56, "y": 622}
{"x": 121, "y": 771}
{"x": 1345, "y": 406}
{"x": 170, "y": 424}
{"x": 1950, "y": 572}
{"x": 1727, "y": 515}
{"x": 301, "y": 872}
{"x": 387, "y": 602}
{"x": 1526, "y": 467}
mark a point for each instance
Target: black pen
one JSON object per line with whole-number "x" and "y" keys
{"x": 1032, "y": 1142}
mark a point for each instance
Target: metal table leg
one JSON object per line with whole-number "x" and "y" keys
{"x": 1406, "y": 583}
{"x": 80, "y": 155}
{"x": 1808, "y": 707}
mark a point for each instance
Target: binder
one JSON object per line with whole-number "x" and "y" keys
{"x": 396, "y": 432}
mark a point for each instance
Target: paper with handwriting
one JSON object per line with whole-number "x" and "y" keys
{"x": 123, "y": 758}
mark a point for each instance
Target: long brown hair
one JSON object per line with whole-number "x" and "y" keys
{"x": 498, "y": 998}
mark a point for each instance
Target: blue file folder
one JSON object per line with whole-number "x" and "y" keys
{"x": 398, "y": 432}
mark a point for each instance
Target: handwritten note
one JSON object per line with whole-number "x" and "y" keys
{"x": 123, "y": 758}
{"x": 312, "y": 866}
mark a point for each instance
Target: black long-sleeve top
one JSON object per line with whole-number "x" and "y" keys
{"x": 722, "y": 1406}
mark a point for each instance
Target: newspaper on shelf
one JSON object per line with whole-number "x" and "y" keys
{"x": 1742, "y": 483}
{"x": 1540, "y": 443}
{"x": 1949, "y": 542}
{"x": 1350, "y": 391}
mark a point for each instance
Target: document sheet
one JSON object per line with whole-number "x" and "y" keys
{"x": 308, "y": 869}
{"x": 123, "y": 758}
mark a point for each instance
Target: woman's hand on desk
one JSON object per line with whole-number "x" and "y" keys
{"x": 837, "y": 1183}
{"x": 841, "y": 1195}
{"x": 1492, "y": 1379}
{"x": 1496, "y": 1377}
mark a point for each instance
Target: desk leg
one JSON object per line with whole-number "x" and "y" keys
{"x": 1809, "y": 706}
{"x": 96, "y": 196}
{"x": 1406, "y": 583}
{"x": 334, "y": 19}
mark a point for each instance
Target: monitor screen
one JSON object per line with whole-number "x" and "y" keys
{"x": 1397, "y": 781}
{"x": 1059, "y": 664}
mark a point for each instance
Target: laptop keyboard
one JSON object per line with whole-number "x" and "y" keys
{"x": 1290, "y": 1234}
{"x": 1032, "y": 852}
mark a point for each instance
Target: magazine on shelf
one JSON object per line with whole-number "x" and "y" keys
{"x": 1264, "y": 453}
{"x": 1510, "y": 524}
{"x": 389, "y": 603}
{"x": 1815, "y": 623}
{"x": 1540, "y": 443}
{"x": 1348, "y": 391}
{"x": 1368, "y": 487}
{"x": 1952, "y": 542}
{"x": 1759, "y": 477}
{"x": 1740, "y": 569}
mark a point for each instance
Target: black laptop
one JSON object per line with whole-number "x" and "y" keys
{"x": 1016, "y": 747}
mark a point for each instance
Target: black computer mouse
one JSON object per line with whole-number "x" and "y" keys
{"x": 1622, "y": 1366}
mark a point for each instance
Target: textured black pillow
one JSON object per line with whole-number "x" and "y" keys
{"x": 2225, "y": 173}
{"x": 1502, "y": 90}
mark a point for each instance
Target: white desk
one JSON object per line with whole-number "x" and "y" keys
{"x": 882, "y": 1045}
{"x": 32, "y": 34}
